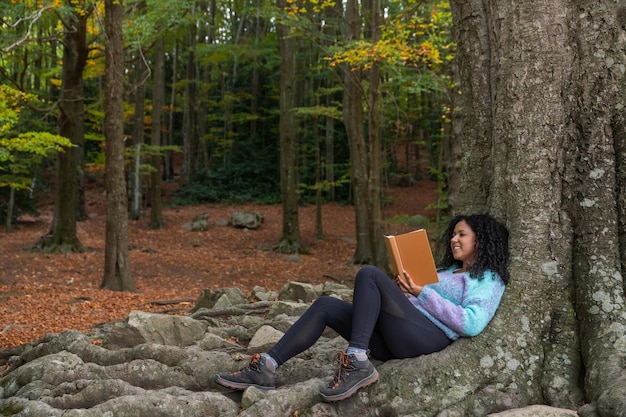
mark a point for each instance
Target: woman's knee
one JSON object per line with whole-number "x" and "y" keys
{"x": 325, "y": 303}
{"x": 369, "y": 273}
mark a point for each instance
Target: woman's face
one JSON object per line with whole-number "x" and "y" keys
{"x": 463, "y": 243}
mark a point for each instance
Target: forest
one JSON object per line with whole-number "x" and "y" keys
{"x": 513, "y": 108}
{"x": 217, "y": 95}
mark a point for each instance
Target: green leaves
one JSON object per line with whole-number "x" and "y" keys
{"x": 21, "y": 152}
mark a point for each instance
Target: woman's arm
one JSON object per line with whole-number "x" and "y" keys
{"x": 474, "y": 311}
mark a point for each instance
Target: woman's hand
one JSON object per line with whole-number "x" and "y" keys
{"x": 407, "y": 285}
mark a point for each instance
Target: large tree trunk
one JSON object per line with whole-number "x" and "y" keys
{"x": 116, "y": 260}
{"x": 63, "y": 236}
{"x": 291, "y": 242}
{"x": 596, "y": 184}
{"x": 542, "y": 87}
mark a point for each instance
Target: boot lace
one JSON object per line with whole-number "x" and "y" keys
{"x": 344, "y": 368}
{"x": 253, "y": 365}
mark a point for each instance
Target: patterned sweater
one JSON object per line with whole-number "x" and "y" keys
{"x": 460, "y": 305}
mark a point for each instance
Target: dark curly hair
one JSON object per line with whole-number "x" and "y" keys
{"x": 492, "y": 238}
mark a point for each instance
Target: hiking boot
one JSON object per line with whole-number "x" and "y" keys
{"x": 255, "y": 374}
{"x": 352, "y": 375}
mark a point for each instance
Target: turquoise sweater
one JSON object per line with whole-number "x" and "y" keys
{"x": 460, "y": 305}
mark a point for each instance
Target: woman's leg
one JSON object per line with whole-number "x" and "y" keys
{"x": 387, "y": 323}
{"x": 260, "y": 371}
{"x": 325, "y": 311}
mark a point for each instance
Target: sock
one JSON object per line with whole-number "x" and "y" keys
{"x": 270, "y": 362}
{"x": 360, "y": 354}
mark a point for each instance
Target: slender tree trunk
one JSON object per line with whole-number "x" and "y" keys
{"x": 354, "y": 122}
{"x": 116, "y": 260}
{"x": 9, "y": 220}
{"x": 374, "y": 147}
{"x": 63, "y": 236}
{"x": 158, "y": 94}
{"x": 168, "y": 156}
{"x": 291, "y": 242}
{"x": 136, "y": 179}
{"x": 189, "y": 112}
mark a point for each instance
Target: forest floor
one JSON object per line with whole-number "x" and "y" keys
{"x": 48, "y": 293}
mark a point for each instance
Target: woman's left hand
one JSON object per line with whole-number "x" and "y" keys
{"x": 407, "y": 285}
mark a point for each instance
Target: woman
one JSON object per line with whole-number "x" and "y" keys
{"x": 394, "y": 320}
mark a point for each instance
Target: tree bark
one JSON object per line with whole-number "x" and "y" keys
{"x": 63, "y": 236}
{"x": 374, "y": 146}
{"x": 291, "y": 242}
{"x": 353, "y": 119}
{"x": 116, "y": 260}
{"x": 542, "y": 100}
{"x": 190, "y": 139}
{"x": 158, "y": 99}
{"x": 136, "y": 179}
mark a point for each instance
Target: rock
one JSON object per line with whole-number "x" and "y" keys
{"x": 162, "y": 329}
{"x": 199, "y": 223}
{"x": 287, "y": 308}
{"x": 298, "y": 291}
{"x": 294, "y": 258}
{"x": 262, "y": 294}
{"x": 536, "y": 411}
{"x": 162, "y": 365}
{"x": 264, "y": 339}
{"x": 246, "y": 219}
{"x": 212, "y": 341}
{"x": 209, "y": 298}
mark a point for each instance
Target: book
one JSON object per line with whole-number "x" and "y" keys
{"x": 411, "y": 252}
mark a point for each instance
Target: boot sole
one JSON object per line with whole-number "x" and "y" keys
{"x": 240, "y": 386}
{"x": 370, "y": 379}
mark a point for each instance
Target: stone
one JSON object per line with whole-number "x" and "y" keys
{"x": 246, "y": 219}
{"x": 198, "y": 224}
{"x": 264, "y": 339}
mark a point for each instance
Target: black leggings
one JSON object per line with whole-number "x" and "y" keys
{"x": 380, "y": 318}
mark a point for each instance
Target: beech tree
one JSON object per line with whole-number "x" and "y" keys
{"x": 116, "y": 260}
{"x": 291, "y": 242}
{"x": 543, "y": 147}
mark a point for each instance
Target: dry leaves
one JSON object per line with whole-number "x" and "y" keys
{"x": 42, "y": 293}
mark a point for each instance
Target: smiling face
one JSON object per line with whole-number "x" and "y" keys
{"x": 463, "y": 244}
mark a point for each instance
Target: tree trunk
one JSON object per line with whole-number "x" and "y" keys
{"x": 116, "y": 260}
{"x": 543, "y": 127}
{"x": 63, "y": 238}
{"x": 136, "y": 179}
{"x": 374, "y": 147}
{"x": 291, "y": 242}
{"x": 168, "y": 156}
{"x": 595, "y": 138}
{"x": 158, "y": 98}
{"x": 189, "y": 113}
{"x": 10, "y": 204}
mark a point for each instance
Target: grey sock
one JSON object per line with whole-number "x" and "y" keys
{"x": 360, "y": 354}
{"x": 270, "y": 362}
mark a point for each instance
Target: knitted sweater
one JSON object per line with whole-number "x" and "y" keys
{"x": 460, "y": 305}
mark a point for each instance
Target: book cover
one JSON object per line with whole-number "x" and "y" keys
{"x": 411, "y": 252}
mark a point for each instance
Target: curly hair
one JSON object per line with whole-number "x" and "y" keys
{"x": 492, "y": 238}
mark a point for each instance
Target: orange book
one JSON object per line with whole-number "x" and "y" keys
{"x": 411, "y": 252}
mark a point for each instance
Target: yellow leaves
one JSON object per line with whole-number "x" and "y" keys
{"x": 297, "y": 7}
{"x": 418, "y": 38}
